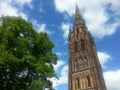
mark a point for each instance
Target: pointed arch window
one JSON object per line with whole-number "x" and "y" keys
{"x": 78, "y": 83}
{"x": 88, "y": 81}
{"x": 85, "y": 63}
{"x": 76, "y": 65}
{"x": 81, "y": 62}
{"x": 75, "y": 47}
{"x": 82, "y": 44}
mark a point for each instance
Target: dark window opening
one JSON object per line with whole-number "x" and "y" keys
{"x": 75, "y": 47}
{"x": 78, "y": 83}
{"x": 81, "y": 64}
{"x": 88, "y": 80}
{"x": 82, "y": 45}
{"x": 85, "y": 63}
{"x": 77, "y": 30}
{"x": 76, "y": 65}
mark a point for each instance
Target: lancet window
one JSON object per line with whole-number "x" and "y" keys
{"x": 82, "y": 44}
{"x": 78, "y": 83}
{"x": 88, "y": 81}
{"x": 76, "y": 65}
{"x": 75, "y": 47}
{"x": 83, "y": 63}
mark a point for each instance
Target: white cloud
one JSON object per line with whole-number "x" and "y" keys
{"x": 63, "y": 79}
{"x": 7, "y": 8}
{"x": 115, "y": 6}
{"x": 95, "y": 14}
{"x": 65, "y": 6}
{"x": 21, "y": 3}
{"x": 58, "y": 65}
{"x": 23, "y": 15}
{"x": 65, "y": 28}
{"x": 41, "y": 27}
{"x": 112, "y": 79}
{"x": 103, "y": 58}
{"x": 59, "y": 54}
{"x": 97, "y": 25}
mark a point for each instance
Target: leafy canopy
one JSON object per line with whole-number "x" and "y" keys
{"x": 26, "y": 57}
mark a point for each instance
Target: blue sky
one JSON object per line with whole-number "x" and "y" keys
{"x": 102, "y": 18}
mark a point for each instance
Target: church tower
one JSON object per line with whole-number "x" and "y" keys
{"x": 84, "y": 67}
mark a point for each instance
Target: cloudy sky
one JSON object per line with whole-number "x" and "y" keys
{"x": 102, "y": 18}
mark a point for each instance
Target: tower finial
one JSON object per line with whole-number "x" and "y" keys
{"x": 77, "y": 13}
{"x": 78, "y": 17}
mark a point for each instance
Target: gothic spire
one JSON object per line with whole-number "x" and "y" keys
{"x": 78, "y": 17}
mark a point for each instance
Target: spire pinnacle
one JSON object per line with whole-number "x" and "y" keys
{"x": 77, "y": 13}
{"x": 78, "y": 17}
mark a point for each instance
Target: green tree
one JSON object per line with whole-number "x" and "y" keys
{"x": 26, "y": 57}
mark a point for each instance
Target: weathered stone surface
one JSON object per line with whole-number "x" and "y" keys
{"x": 84, "y": 68}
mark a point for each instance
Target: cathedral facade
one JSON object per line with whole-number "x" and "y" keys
{"x": 85, "y": 71}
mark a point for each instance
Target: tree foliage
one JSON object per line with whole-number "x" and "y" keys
{"x": 26, "y": 57}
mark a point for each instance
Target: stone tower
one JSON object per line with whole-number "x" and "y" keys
{"x": 84, "y": 68}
